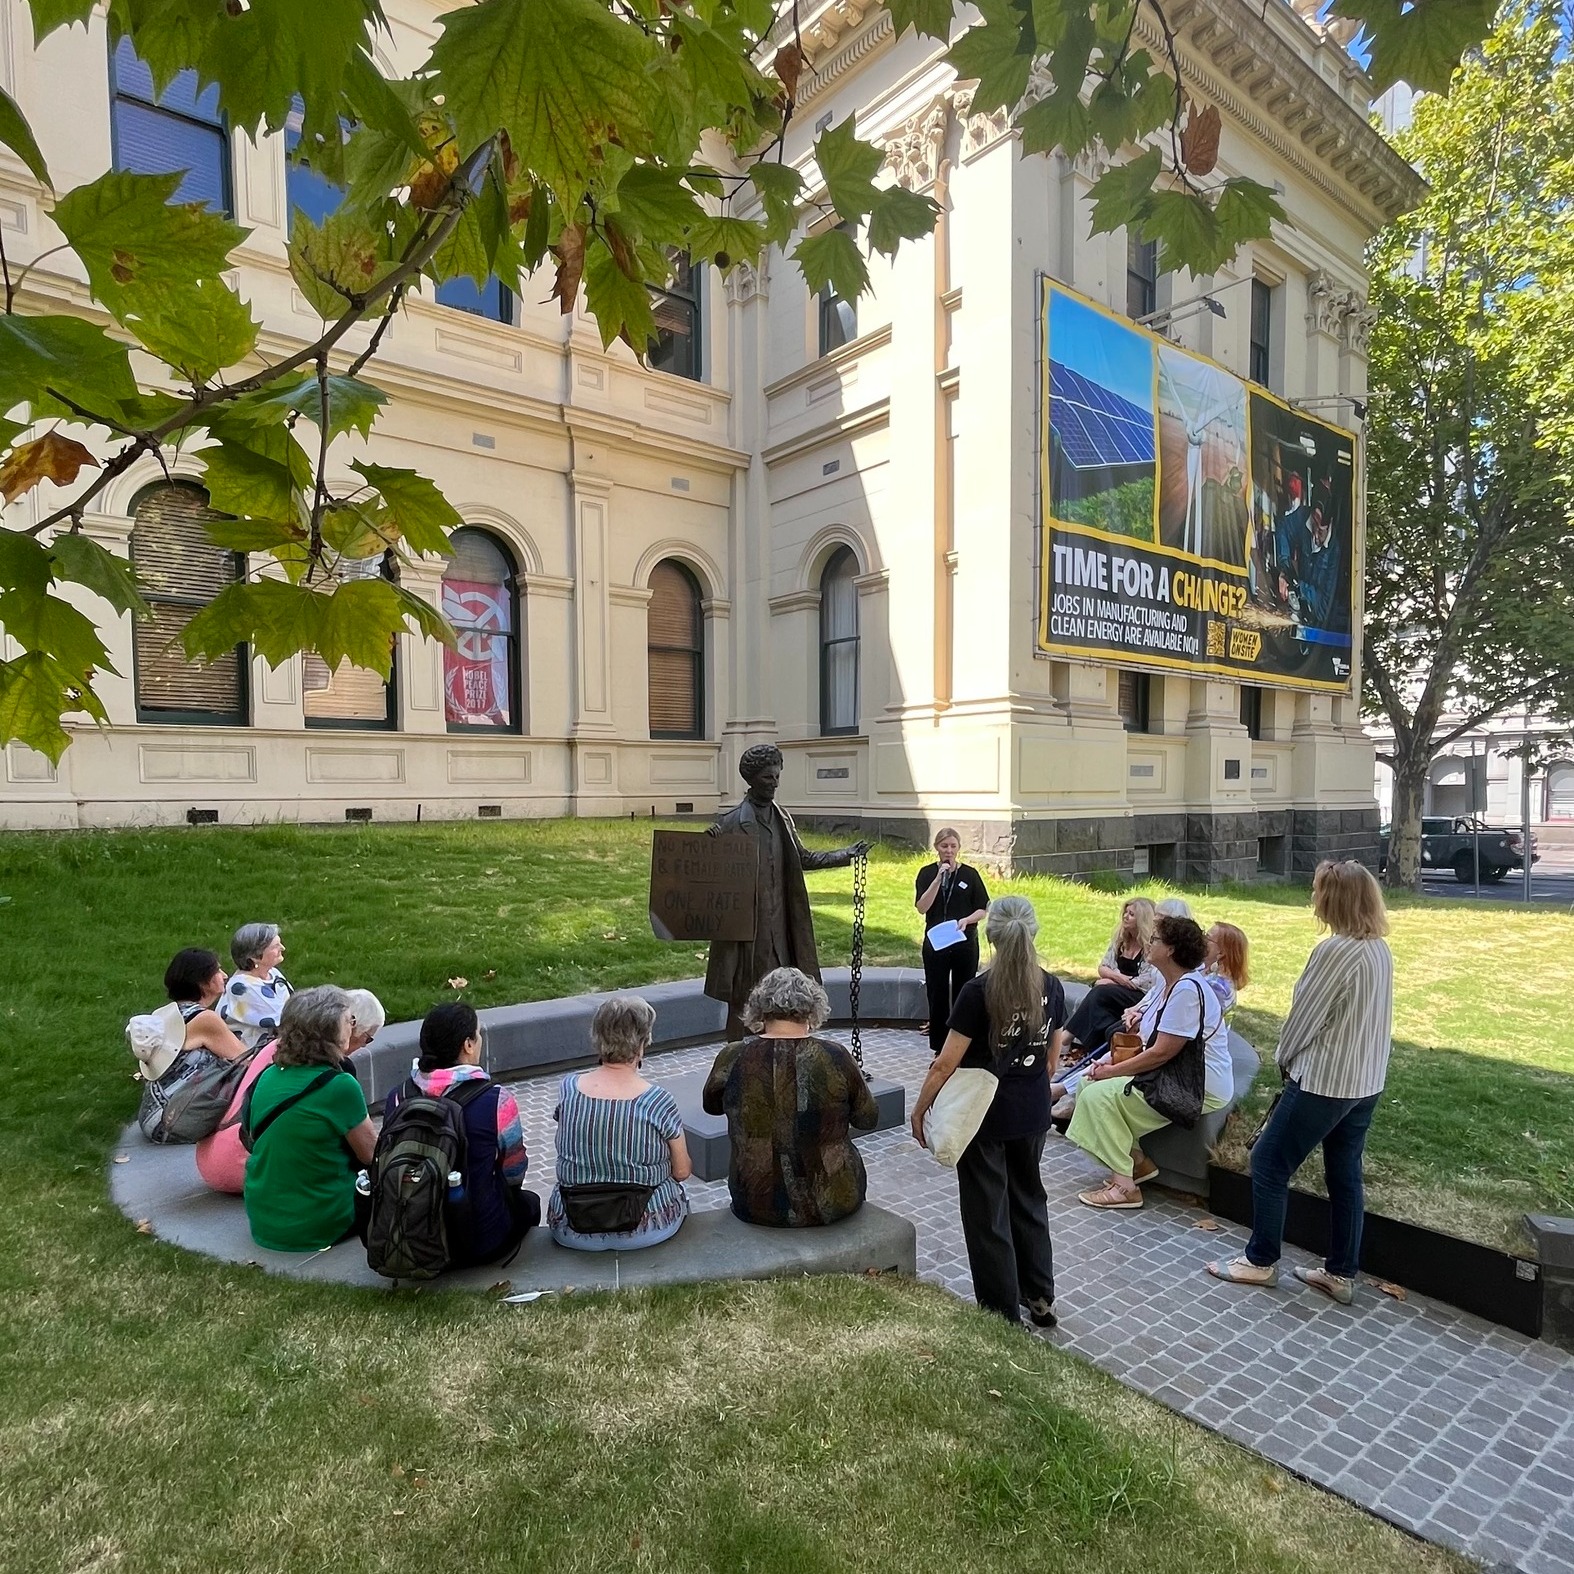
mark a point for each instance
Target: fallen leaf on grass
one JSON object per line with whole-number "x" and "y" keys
{"x": 1206, "y": 1224}
{"x": 489, "y": 975}
{"x": 1398, "y": 1291}
{"x": 144, "y": 1226}
{"x": 1272, "y": 1484}
{"x": 398, "y": 1513}
{"x": 994, "y": 1393}
{"x": 458, "y": 983}
{"x": 502, "y": 1287}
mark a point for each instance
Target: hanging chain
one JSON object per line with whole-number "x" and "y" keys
{"x": 856, "y": 971}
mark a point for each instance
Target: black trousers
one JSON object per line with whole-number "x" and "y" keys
{"x": 1005, "y": 1222}
{"x": 944, "y": 974}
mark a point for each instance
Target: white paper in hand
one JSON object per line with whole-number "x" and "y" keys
{"x": 945, "y": 935}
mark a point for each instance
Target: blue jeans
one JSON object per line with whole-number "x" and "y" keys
{"x": 1301, "y": 1121}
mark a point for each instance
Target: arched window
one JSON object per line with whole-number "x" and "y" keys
{"x": 839, "y": 644}
{"x": 181, "y": 572}
{"x": 675, "y": 645}
{"x": 1560, "y": 790}
{"x": 347, "y": 696}
{"x": 481, "y": 677}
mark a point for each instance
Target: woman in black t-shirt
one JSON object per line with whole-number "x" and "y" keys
{"x": 948, "y": 892}
{"x": 1010, "y": 1020}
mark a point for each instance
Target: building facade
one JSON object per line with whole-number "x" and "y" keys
{"x": 806, "y": 522}
{"x": 1484, "y": 773}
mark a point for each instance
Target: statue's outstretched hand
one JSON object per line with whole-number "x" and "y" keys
{"x": 858, "y": 849}
{"x": 713, "y": 830}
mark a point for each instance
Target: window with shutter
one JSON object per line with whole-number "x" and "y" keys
{"x": 181, "y": 572}
{"x": 675, "y": 643}
{"x": 347, "y": 696}
{"x": 676, "y": 347}
{"x": 1134, "y": 700}
{"x": 839, "y": 644}
{"x": 178, "y": 129}
{"x": 482, "y": 673}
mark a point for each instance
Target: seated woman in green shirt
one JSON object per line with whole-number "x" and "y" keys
{"x": 309, "y": 1129}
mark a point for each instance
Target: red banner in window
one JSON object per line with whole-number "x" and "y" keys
{"x": 476, "y": 686}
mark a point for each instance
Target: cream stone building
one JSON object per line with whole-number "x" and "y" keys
{"x": 805, "y": 523}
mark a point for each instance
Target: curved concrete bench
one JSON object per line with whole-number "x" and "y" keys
{"x": 161, "y": 1185}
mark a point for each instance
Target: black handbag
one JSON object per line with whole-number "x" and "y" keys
{"x": 1174, "y": 1090}
{"x": 596, "y": 1209}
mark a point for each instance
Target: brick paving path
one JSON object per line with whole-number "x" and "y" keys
{"x": 1446, "y": 1425}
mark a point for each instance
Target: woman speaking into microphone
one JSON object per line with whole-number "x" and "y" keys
{"x": 952, "y": 898}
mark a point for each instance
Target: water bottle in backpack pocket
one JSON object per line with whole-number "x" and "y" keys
{"x": 419, "y": 1221}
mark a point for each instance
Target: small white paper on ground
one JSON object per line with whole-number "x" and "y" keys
{"x": 945, "y": 935}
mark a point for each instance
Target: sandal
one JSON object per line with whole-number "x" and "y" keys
{"x": 1110, "y": 1197}
{"x": 1242, "y": 1270}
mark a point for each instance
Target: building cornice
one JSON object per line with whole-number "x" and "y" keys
{"x": 844, "y": 355}
{"x": 868, "y": 418}
{"x": 1231, "y": 55}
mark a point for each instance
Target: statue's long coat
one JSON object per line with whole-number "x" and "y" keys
{"x": 729, "y": 974}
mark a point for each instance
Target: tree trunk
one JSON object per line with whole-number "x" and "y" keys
{"x": 1404, "y": 833}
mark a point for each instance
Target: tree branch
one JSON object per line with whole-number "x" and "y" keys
{"x": 417, "y": 254}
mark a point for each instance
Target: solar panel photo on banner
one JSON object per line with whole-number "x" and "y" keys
{"x": 1095, "y": 426}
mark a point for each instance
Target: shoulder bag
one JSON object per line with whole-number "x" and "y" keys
{"x": 197, "y": 1107}
{"x": 1174, "y": 1090}
{"x": 952, "y": 1121}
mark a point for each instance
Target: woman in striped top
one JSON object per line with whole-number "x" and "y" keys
{"x": 619, "y": 1142}
{"x": 1333, "y": 1056}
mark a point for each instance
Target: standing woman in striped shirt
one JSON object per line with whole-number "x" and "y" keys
{"x": 1333, "y": 1056}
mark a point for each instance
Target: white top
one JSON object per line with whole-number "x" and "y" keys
{"x": 1340, "y": 1031}
{"x": 1178, "y": 1015}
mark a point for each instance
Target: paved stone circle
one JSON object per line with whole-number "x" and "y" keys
{"x": 1447, "y": 1426}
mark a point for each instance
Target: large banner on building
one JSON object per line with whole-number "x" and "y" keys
{"x": 1191, "y": 520}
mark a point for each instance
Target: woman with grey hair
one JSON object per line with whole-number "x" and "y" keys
{"x": 621, "y": 1152}
{"x": 306, "y": 1126}
{"x": 1010, "y": 1020}
{"x": 367, "y": 1018}
{"x": 255, "y": 995}
{"x": 790, "y": 1098}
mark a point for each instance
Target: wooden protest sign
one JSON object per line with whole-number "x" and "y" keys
{"x": 702, "y": 886}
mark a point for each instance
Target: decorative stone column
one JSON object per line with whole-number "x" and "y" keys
{"x": 745, "y": 716}
{"x": 419, "y": 666}
{"x": 592, "y": 736}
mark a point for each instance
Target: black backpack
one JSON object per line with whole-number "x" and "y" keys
{"x": 413, "y": 1228}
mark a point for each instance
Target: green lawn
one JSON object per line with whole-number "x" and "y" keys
{"x": 160, "y": 1412}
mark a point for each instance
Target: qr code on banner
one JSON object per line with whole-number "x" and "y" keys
{"x": 1215, "y": 637}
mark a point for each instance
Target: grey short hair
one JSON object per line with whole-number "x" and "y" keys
{"x": 621, "y": 1029}
{"x": 786, "y": 995}
{"x": 1174, "y": 907}
{"x": 367, "y": 1010}
{"x": 250, "y": 941}
{"x": 311, "y": 1027}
